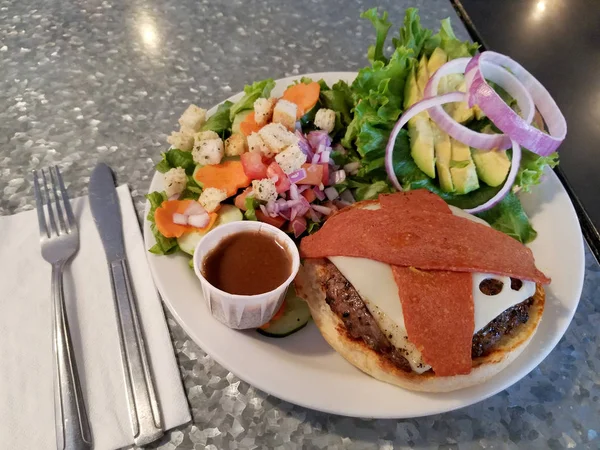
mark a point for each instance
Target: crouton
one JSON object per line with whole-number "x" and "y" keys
{"x": 174, "y": 181}
{"x": 285, "y": 114}
{"x": 193, "y": 118}
{"x": 276, "y": 138}
{"x": 325, "y": 119}
{"x": 291, "y": 159}
{"x": 263, "y": 110}
{"x": 209, "y": 151}
{"x": 211, "y": 198}
{"x": 235, "y": 145}
{"x": 205, "y": 135}
{"x": 264, "y": 190}
{"x": 181, "y": 140}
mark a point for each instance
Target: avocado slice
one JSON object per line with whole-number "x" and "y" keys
{"x": 422, "y": 75}
{"x": 437, "y": 59}
{"x": 419, "y": 127}
{"x": 459, "y": 111}
{"x": 462, "y": 168}
{"x": 238, "y": 119}
{"x": 492, "y": 166}
{"x": 421, "y": 144}
{"x": 411, "y": 90}
{"x": 443, "y": 156}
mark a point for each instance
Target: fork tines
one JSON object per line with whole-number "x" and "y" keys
{"x": 54, "y": 195}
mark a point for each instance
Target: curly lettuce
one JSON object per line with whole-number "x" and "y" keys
{"x": 164, "y": 245}
{"x": 252, "y": 92}
{"x": 378, "y": 94}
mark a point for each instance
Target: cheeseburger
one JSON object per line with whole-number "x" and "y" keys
{"x": 419, "y": 294}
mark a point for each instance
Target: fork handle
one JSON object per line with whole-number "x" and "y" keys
{"x": 141, "y": 396}
{"x": 72, "y": 427}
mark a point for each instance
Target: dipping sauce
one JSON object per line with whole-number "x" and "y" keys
{"x": 247, "y": 263}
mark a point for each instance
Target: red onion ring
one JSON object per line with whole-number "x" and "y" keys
{"x": 506, "y": 119}
{"x": 426, "y": 104}
{"x": 460, "y": 132}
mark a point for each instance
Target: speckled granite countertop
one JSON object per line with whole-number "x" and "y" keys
{"x": 92, "y": 80}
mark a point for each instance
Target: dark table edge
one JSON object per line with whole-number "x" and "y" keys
{"x": 590, "y": 233}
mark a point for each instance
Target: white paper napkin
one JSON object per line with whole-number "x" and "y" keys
{"x": 26, "y": 357}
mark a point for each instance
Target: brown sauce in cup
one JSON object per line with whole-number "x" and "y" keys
{"x": 247, "y": 263}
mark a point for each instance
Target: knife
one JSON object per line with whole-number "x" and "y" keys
{"x": 144, "y": 414}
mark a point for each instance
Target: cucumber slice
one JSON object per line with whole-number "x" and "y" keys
{"x": 238, "y": 119}
{"x": 227, "y": 213}
{"x": 296, "y": 315}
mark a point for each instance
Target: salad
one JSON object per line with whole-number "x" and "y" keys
{"x": 410, "y": 120}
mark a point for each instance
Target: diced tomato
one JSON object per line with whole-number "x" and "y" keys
{"x": 309, "y": 195}
{"x": 275, "y": 221}
{"x": 314, "y": 174}
{"x": 254, "y": 167}
{"x": 283, "y": 182}
{"x": 240, "y": 200}
{"x": 325, "y": 179}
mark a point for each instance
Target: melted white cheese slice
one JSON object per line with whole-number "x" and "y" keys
{"x": 375, "y": 283}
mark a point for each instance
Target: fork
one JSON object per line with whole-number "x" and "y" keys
{"x": 59, "y": 242}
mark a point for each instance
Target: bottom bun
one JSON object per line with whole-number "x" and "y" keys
{"x": 310, "y": 286}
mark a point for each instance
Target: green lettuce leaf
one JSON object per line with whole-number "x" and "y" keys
{"x": 412, "y": 35}
{"x": 382, "y": 26}
{"x": 192, "y": 190}
{"x": 220, "y": 121}
{"x": 312, "y": 227}
{"x": 368, "y": 191}
{"x": 339, "y": 98}
{"x": 509, "y": 217}
{"x": 251, "y": 205}
{"x": 163, "y": 246}
{"x": 447, "y": 40}
{"x": 532, "y": 167}
{"x": 252, "y": 92}
{"x": 176, "y": 158}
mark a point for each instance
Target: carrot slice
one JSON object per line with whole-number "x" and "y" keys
{"x": 163, "y": 218}
{"x": 228, "y": 176}
{"x": 240, "y": 200}
{"x": 276, "y": 316}
{"x": 249, "y": 125}
{"x": 305, "y": 96}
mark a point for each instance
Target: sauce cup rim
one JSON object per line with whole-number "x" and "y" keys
{"x": 290, "y": 248}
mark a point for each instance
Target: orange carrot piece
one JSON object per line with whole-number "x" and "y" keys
{"x": 228, "y": 176}
{"x": 163, "y": 218}
{"x": 249, "y": 125}
{"x": 240, "y": 200}
{"x": 305, "y": 96}
{"x": 276, "y": 316}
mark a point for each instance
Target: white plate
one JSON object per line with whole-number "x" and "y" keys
{"x": 304, "y": 370}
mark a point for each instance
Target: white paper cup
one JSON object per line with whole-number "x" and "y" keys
{"x": 243, "y": 311}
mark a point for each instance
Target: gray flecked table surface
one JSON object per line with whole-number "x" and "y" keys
{"x": 90, "y": 80}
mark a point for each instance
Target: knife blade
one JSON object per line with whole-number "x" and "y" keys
{"x": 104, "y": 203}
{"x": 144, "y": 414}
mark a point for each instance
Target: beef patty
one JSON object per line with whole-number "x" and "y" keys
{"x": 359, "y": 324}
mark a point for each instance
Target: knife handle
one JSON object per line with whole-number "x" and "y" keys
{"x": 144, "y": 414}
